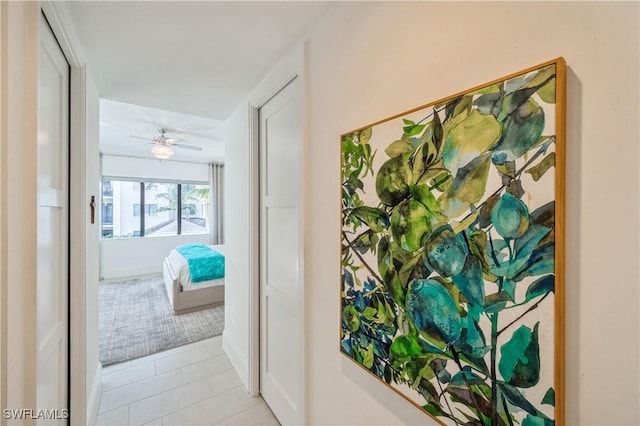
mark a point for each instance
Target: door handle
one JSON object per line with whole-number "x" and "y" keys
{"x": 92, "y": 204}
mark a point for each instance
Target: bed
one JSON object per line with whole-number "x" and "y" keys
{"x": 185, "y": 295}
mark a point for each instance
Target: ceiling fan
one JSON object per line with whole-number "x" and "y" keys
{"x": 163, "y": 145}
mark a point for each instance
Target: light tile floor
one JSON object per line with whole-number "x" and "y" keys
{"x": 194, "y": 384}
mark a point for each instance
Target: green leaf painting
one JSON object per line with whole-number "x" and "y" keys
{"x": 448, "y": 261}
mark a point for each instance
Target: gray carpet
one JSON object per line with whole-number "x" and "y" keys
{"x": 136, "y": 320}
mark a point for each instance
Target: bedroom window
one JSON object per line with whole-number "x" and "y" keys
{"x": 139, "y": 209}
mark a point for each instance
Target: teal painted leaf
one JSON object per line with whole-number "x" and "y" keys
{"x": 509, "y": 288}
{"x": 467, "y": 187}
{"x": 410, "y": 223}
{"x": 510, "y": 216}
{"x": 525, "y": 245}
{"x": 540, "y": 287}
{"x": 549, "y": 397}
{"x": 444, "y": 253}
{"x": 375, "y": 219}
{"x": 516, "y": 397}
{"x": 433, "y": 311}
{"x": 537, "y": 421}
{"x": 522, "y": 129}
{"x": 541, "y": 261}
{"x": 470, "y": 282}
{"x": 468, "y": 139}
{"x": 392, "y": 181}
{"x": 489, "y": 103}
{"x": 520, "y": 358}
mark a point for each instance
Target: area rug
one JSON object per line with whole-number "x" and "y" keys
{"x": 136, "y": 319}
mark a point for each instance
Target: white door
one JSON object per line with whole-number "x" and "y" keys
{"x": 281, "y": 316}
{"x": 53, "y": 227}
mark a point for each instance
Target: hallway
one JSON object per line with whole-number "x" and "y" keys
{"x": 191, "y": 384}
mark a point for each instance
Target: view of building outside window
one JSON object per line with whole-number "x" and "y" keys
{"x": 122, "y": 201}
{"x": 195, "y": 209}
{"x": 165, "y": 197}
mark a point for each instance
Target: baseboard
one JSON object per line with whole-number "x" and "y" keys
{"x": 238, "y": 362}
{"x": 94, "y": 397}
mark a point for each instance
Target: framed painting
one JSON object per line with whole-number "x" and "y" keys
{"x": 452, "y": 251}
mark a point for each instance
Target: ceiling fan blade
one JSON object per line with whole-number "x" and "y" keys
{"x": 191, "y": 147}
{"x": 140, "y": 137}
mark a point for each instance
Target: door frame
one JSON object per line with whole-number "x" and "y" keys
{"x": 291, "y": 67}
{"x": 21, "y": 68}
{"x": 78, "y": 210}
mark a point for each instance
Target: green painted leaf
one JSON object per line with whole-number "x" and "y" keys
{"x": 549, "y": 397}
{"x": 516, "y": 397}
{"x": 544, "y": 215}
{"x": 432, "y": 311}
{"x": 541, "y": 168}
{"x": 423, "y": 195}
{"x": 470, "y": 282}
{"x": 485, "y": 210}
{"x": 392, "y": 181}
{"x": 438, "y": 132}
{"x": 478, "y": 246}
{"x": 444, "y": 253}
{"x": 520, "y": 358}
{"x": 522, "y": 129}
{"x": 375, "y": 219}
{"x": 510, "y": 216}
{"x": 351, "y": 317}
{"x": 397, "y": 148}
{"x": 470, "y": 138}
{"x": 405, "y": 346}
{"x": 467, "y": 187}
{"x": 367, "y": 356}
{"x": 365, "y": 135}
{"x": 410, "y": 223}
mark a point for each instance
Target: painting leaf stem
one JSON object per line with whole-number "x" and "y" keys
{"x": 456, "y": 358}
{"x": 430, "y": 115}
{"x": 494, "y": 375}
{"x": 506, "y": 410}
{"x": 366, "y": 265}
{"x": 446, "y": 401}
{"x": 534, "y": 306}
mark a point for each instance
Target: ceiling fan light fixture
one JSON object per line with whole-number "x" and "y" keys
{"x": 162, "y": 152}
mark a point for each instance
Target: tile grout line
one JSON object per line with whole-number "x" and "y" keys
{"x": 148, "y": 396}
{"x": 198, "y": 402}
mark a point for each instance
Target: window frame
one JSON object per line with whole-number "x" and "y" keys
{"x": 141, "y": 189}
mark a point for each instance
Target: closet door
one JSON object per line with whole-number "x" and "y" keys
{"x": 52, "y": 299}
{"x": 281, "y": 318}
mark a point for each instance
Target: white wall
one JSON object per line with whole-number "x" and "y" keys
{"x": 399, "y": 56}
{"x": 18, "y": 189}
{"x": 144, "y": 168}
{"x": 128, "y": 257}
{"x": 367, "y": 61}
{"x": 236, "y": 178}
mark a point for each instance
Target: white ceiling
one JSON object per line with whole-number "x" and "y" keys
{"x": 182, "y": 65}
{"x": 119, "y": 122}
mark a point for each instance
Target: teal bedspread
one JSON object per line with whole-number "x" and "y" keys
{"x": 204, "y": 263}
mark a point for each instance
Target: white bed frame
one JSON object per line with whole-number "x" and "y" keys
{"x": 191, "y": 300}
